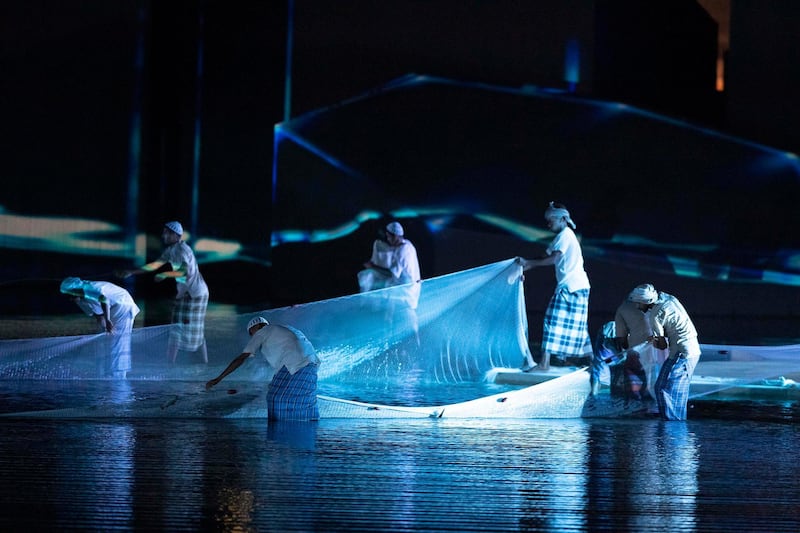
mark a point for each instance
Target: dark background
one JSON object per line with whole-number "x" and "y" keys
{"x": 181, "y": 98}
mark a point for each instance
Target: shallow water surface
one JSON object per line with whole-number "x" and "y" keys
{"x": 409, "y": 475}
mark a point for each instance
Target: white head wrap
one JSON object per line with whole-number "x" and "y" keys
{"x": 643, "y": 294}
{"x": 175, "y": 226}
{"x": 256, "y": 321}
{"x": 558, "y": 212}
{"x": 87, "y": 289}
{"x": 395, "y": 228}
{"x": 71, "y": 285}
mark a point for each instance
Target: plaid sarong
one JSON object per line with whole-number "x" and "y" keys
{"x": 188, "y": 322}
{"x": 293, "y": 397}
{"x": 672, "y": 386}
{"x": 566, "y": 332}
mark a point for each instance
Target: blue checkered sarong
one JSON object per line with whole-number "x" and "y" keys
{"x": 188, "y": 322}
{"x": 293, "y": 397}
{"x": 566, "y": 333}
{"x": 672, "y": 386}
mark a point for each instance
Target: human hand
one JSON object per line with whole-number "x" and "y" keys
{"x": 528, "y": 264}
{"x": 659, "y": 342}
{"x": 211, "y": 383}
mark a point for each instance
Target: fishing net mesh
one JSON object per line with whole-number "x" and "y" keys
{"x": 466, "y": 324}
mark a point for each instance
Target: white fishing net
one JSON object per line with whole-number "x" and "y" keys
{"x": 466, "y": 323}
{"x": 378, "y": 361}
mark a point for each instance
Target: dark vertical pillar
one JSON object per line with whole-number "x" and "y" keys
{"x": 169, "y": 115}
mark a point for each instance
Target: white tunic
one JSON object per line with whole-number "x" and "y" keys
{"x": 632, "y": 324}
{"x": 402, "y": 262}
{"x": 181, "y": 257}
{"x": 668, "y": 318}
{"x": 282, "y": 346}
{"x": 120, "y": 303}
{"x": 569, "y": 267}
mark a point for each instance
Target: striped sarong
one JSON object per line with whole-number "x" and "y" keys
{"x": 293, "y": 397}
{"x": 188, "y": 322}
{"x": 672, "y": 386}
{"x": 566, "y": 333}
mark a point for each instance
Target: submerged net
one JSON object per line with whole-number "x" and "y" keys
{"x": 466, "y": 323}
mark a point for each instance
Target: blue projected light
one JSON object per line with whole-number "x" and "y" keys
{"x": 438, "y": 219}
{"x": 572, "y": 64}
{"x": 464, "y": 145}
{"x": 281, "y": 132}
{"x": 776, "y": 161}
{"x": 94, "y": 237}
{"x": 687, "y": 268}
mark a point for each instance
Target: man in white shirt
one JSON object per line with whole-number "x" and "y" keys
{"x": 566, "y": 331}
{"x": 292, "y": 393}
{"x": 114, "y": 310}
{"x": 673, "y": 329}
{"x": 643, "y": 364}
{"x": 191, "y": 300}
{"x": 394, "y": 263}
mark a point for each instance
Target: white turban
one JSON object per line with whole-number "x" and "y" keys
{"x": 395, "y": 228}
{"x": 558, "y": 212}
{"x": 643, "y": 294}
{"x": 71, "y": 285}
{"x": 174, "y": 226}
{"x": 256, "y": 321}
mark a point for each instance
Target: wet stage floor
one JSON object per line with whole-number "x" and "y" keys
{"x": 732, "y": 467}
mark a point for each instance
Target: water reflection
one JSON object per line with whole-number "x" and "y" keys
{"x": 665, "y": 468}
{"x": 293, "y": 434}
{"x": 412, "y": 475}
{"x": 555, "y": 479}
{"x": 95, "y": 485}
{"x": 653, "y": 481}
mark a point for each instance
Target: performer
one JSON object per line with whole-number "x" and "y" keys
{"x": 191, "y": 300}
{"x": 566, "y": 331}
{"x": 394, "y": 263}
{"x": 114, "y": 309}
{"x": 292, "y": 393}
{"x": 672, "y": 328}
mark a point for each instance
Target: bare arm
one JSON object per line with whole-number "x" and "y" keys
{"x": 551, "y": 259}
{"x": 236, "y": 363}
{"x": 153, "y": 266}
{"x": 174, "y": 274}
{"x": 107, "y": 316}
{"x": 385, "y": 271}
